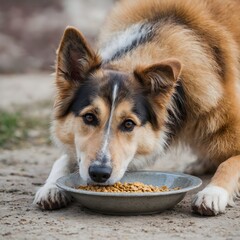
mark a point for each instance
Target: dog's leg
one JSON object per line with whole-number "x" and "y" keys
{"x": 224, "y": 186}
{"x": 50, "y": 196}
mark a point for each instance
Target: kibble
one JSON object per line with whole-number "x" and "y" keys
{"x": 135, "y": 187}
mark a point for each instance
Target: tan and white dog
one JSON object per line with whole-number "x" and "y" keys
{"x": 166, "y": 72}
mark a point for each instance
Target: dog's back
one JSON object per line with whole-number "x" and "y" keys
{"x": 204, "y": 35}
{"x": 196, "y": 14}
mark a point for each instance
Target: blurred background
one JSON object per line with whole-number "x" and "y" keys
{"x": 30, "y": 31}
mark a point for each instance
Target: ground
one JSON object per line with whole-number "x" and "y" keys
{"x": 26, "y": 162}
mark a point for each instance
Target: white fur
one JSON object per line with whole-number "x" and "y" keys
{"x": 122, "y": 40}
{"x": 104, "y": 149}
{"x": 141, "y": 161}
{"x": 138, "y": 162}
{"x": 213, "y": 198}
{"x": 83, "y": 168}
{"x": 60, "y": 168}
{"x": 49, "y": 193}
{"x": 117, "y": 175}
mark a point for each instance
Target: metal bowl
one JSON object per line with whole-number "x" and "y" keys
{"x": 133, "y": 203}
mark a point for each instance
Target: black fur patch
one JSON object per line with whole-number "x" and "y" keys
{"x": 114, "y": 79}
{"x": 177, "y": 118}
{"x": 144, "y": 111}
{"x": 83, "y": 97}
{"x": 142, "y": 107}
{"x": 91, "y": 89}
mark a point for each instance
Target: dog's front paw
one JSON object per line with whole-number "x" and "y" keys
{"x": 211, "y": 201}
{"x": 50, "y": 197}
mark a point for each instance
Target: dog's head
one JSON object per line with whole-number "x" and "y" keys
{"x": 108, "y": 116}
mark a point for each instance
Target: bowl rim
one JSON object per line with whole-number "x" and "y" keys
{"x": 196, "y": 182}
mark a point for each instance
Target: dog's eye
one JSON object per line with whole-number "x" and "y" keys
{"x": 90, "y": 119}
{"x": 127, "y": 126}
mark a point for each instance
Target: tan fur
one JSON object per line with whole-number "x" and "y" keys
{"x": 203, "y": 53}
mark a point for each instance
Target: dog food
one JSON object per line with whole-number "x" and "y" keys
{"x": 136, "y": 187}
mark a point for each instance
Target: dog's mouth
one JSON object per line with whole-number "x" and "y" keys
{"x": 110, "y": 181}
{"x": 91, "y": 182}
{"x": 101, "y": 176}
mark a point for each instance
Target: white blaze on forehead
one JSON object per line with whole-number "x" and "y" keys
{"x": 104, "y": 150}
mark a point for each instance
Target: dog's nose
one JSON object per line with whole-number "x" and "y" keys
{"x": 99, "y": 174}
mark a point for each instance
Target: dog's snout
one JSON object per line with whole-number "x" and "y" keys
{"x": 100, "y": 174}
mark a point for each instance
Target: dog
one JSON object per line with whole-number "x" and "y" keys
{"x": 166, "y": 72}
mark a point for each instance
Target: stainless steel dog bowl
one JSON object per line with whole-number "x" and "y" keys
{"x": 133, "y": 203}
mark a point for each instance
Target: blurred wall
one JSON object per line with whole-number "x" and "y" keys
{"x": 30, "y": 30}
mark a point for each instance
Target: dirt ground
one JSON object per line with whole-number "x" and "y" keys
{"x": 23, "y": 170}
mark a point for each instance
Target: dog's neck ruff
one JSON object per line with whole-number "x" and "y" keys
{"x": 122, "y": 42}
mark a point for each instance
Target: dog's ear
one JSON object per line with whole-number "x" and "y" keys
{"x": 75, "y": 58}
{"x": 159, "y": 78}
